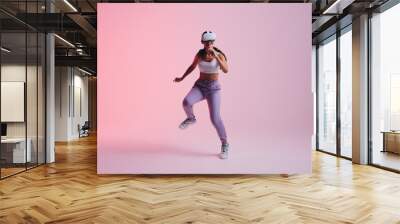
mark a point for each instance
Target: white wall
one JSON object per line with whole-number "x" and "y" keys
{"x": 62, "y": 81}
{"x": 71, "y": 93}
{"x": 79, "y": 117}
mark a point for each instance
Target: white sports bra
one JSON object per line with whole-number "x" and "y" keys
{"x": 209, "y": 66}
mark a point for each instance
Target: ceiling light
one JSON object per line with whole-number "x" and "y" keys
{"x": 65, "y": 41}
{"x": 70, "y": 5}
{"x": 331, "y": 7}
{"x": 5, "y": 49}
{"x": 338, "y": 6}
{"x": 84, "y": 71}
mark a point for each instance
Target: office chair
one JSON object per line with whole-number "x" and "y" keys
{"x": 84, "y": 130}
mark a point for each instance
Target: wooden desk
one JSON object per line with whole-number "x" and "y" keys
{"x": 391, "y": 141}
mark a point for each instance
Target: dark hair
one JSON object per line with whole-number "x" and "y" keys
{"x": 202, "y": 53}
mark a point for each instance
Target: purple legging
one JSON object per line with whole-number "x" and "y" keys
{"x": 210, "y": 90}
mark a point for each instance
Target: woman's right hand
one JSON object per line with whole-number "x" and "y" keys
{"x": 178, "y": 79}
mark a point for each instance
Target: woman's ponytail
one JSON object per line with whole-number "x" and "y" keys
{"x": 221, "y": 53}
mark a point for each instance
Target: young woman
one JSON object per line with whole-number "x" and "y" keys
{"x": 210, "y": 60}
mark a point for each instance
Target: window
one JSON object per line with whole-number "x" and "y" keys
{"x": 346, "y": 92}
{"x": 327, "y": 96}
{"x": 385, "y": 89}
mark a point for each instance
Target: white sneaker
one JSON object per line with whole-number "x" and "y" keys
{"x": 224, "y": 151}
{"x": 187, "y": 122}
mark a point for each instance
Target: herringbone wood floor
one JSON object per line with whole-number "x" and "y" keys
{"x": 70, "y": 191}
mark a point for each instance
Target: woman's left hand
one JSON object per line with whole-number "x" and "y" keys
{"x": 221, "y": 60}
{"x": 215, "y": 52}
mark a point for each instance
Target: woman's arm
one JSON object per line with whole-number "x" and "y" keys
{"x": 222, "y": 61}
{"x": 190, "y": 69}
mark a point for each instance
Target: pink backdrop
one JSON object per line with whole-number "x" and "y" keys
{"x": 266, "y": 96}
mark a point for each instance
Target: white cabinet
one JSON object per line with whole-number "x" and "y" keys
{"x": 18, "y": 149}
